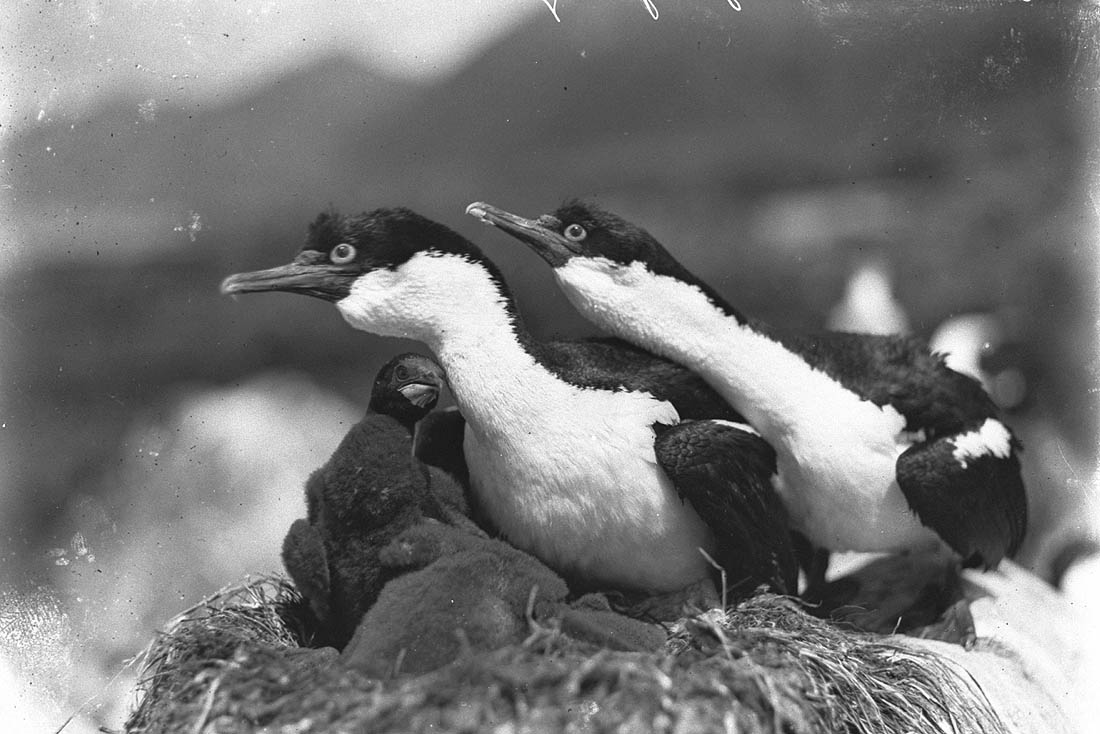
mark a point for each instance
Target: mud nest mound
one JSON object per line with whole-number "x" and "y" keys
{"x": 241, "y": 662}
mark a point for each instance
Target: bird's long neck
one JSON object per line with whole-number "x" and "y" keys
{"x": 503, "y": 409}
{"x": 498, "y": 385}
{"x": 465, "y": 315}
{"x": 678, "y": 320}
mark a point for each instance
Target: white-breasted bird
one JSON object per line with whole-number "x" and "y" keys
{"x": 579, "y": 452}
{"x": 880, "y": 446}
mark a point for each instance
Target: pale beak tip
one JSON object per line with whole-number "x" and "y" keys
{"x": 233, "y": 286}
{"x": 477, "y": 210}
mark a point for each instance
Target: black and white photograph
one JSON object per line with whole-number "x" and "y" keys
{"x": 518, "y": 366}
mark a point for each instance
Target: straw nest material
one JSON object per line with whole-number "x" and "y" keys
{"x": 240, "y": 662}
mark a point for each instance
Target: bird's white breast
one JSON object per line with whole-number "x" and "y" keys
{"x": 838, "y": 478}
{"x": 581, "y": 489}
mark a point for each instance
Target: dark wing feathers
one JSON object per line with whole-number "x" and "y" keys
{"x": 978, "y": 507}
{"x": 612, "y": 364}
{"x": 725, "y": 472}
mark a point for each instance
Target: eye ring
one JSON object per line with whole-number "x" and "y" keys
{"x": 575, "y": 232}
{"x": 342, "y": 254}
{"x": 402, "y": 372}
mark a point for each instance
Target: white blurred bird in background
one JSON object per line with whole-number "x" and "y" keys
{"x": 868, "y": 305}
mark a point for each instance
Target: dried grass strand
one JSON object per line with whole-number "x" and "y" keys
{"x": 763, "y": 666}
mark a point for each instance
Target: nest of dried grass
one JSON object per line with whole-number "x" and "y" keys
{"x": 236, "y": 663}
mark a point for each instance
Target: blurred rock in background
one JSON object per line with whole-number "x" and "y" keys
{"x": 193, "y": 501}
{"x": 778, "y": 150}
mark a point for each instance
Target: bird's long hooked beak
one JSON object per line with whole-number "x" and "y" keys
{"x": 541, "y": 234}
{"x": 309, "y": 274}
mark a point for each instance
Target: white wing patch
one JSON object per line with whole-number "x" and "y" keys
{"x": 743, "y": 427}
{"x": 992, "y": 439}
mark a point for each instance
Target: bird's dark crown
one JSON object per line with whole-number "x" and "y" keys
{"x": 385, "y": 238}
{"x": 406, "y": 368}
{"x": 609, "y": 235}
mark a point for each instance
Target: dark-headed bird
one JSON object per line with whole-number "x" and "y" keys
{"x": 579, "y": 452}
{"x": 880, "y": 446}
{"x": 365, "y": 495}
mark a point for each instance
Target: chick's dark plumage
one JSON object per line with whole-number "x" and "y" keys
{"x": 458, "y": 592}
{"x": 366, "y": 494}
{"x": 397, "y": 574}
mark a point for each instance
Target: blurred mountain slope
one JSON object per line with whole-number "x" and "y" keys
{"x": 130, "y": 169}
{"x": 768, "y": 147}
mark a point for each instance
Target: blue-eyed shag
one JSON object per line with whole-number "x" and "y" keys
{"x": 880, "y": 446}
{"x": 578, "y": 451}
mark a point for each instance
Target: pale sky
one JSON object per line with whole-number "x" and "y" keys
{"x": 59, "y": 56}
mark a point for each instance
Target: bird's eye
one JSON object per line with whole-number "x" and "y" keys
{"x": 402, "y": 372}
{"x": 342, "y": 254}
{"x": 575, "y": 233}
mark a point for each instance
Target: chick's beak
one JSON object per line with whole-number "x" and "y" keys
{"x": 540, "y": 234}
{"x": 310, "y": 274}
{"x": 420, "y": 394}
